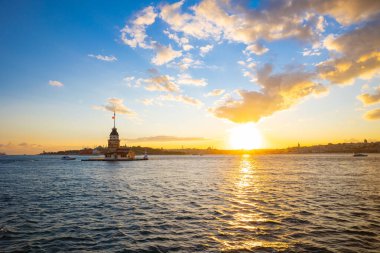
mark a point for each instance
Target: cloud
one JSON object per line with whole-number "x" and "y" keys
{"x": 116, "y": 105}
{"x": 165, "y": 54}
{"x": 161, "y": 83}
{"x": 369, "y": 99}
{"x": 110, "y": 58}
{"x": 188, "y": 62}
{"x": 129, "y": 80}
{"x": 205, "y": 49}
{"x": 271, "y": 20}
{"x": 353, "y": 54}
{"x": 186, "y": 23}
{"x": 181, "y": 98}
{"x": 311, "y": 52}
{"x": 148, "y": 101}
{"x": 356, "y": 55}
{"x": 235, "y": 22}
{"x": 278, "y": 92}
{"x": 214, "y": 93}
{"x": 165, "y": 138}
{"x": 348, "y": 12}
{"x": 146, "y": 17}
{"x": 55, "y": 83}
{"x": 27, "y": 145}
{"x": 373, "y": 114}
{"x": 134, "y": 33}
{"x": 257, "y": 49}
{"x": 187, "y": 47}
{"x": 182, "y": 41}
{"x": 186, "y": 79}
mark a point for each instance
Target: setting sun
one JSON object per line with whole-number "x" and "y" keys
{"x": 245, "y": 136}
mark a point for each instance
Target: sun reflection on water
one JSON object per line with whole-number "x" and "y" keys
{"x": 244, "y": 228}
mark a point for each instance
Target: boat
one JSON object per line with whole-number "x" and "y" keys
{"x": 145, "y": 156}
{"x": 67, "y": 158}
{"x": 359, "y": 155}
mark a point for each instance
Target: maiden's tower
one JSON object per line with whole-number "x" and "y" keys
{"x": 114, "y": 151}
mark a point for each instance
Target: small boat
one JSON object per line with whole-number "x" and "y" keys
{"x": 67, "y": 158}
{"x": 145, "y": 156}
{"x": 360, "y": 155}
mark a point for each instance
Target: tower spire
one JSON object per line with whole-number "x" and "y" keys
{"x": 114, "y": 119}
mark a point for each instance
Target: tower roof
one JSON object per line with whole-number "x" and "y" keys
{"x": 114, "y": 132}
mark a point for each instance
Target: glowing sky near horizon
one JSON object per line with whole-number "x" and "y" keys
{"x": 185, "y": 73}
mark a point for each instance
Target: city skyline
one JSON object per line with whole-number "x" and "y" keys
{"x": 227, "y": 74}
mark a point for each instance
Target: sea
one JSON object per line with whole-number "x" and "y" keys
{"x": 247, "y": 203}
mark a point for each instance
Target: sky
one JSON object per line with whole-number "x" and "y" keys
{"x": 188, "y": 73}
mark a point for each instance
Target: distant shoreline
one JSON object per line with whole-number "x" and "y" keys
{"x": 339, "y": 148}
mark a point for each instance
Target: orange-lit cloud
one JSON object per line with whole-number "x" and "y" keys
{"x": 369, "y": 99}
{"x": 116, "y": 105}
{"x": 214, "y": 93}
{"x": 279, "y": 92}
{"x": 373, "y": 114}
{"x": 358, "y": 55}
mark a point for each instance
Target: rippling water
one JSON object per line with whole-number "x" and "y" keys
{"x": 271, "y": 203}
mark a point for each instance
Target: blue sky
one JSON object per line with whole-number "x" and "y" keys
{"x": 202, "y": 68}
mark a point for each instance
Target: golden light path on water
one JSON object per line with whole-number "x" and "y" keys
{"x": 244, "y": 218}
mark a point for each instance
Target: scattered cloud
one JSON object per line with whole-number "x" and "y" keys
{"x": 187, "y": 47}
{"x": 165, "y": 54}
{"x": 129, "y": 80}
{"x": 311, "y": 52}
{"x": 148, "y": 101}
{"x": 116, "y": 105}
{"x": 369, "y": 99}
{"x": 181, "y": 98}
{"x": 214, "y": 93}
{"x": 236, "y": 22}
{"x": 256, "y": 49}
{"x": 134, "y": 33}
{"x": 165, "y": 138}
{"x": 182, "y": 41}
{"x": 205, "y": 49}
{"x": 352, "y": 54}
{"x": 107, "y": 58}
{"x": 55, "y": 83}
{"x": 186, "y": 79}
{"x": 188, "y": 62}
{"x": 373, "y": 114}
{"x": 161, "y": 83}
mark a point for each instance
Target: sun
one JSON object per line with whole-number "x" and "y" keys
{"x": 245, "y": 136}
